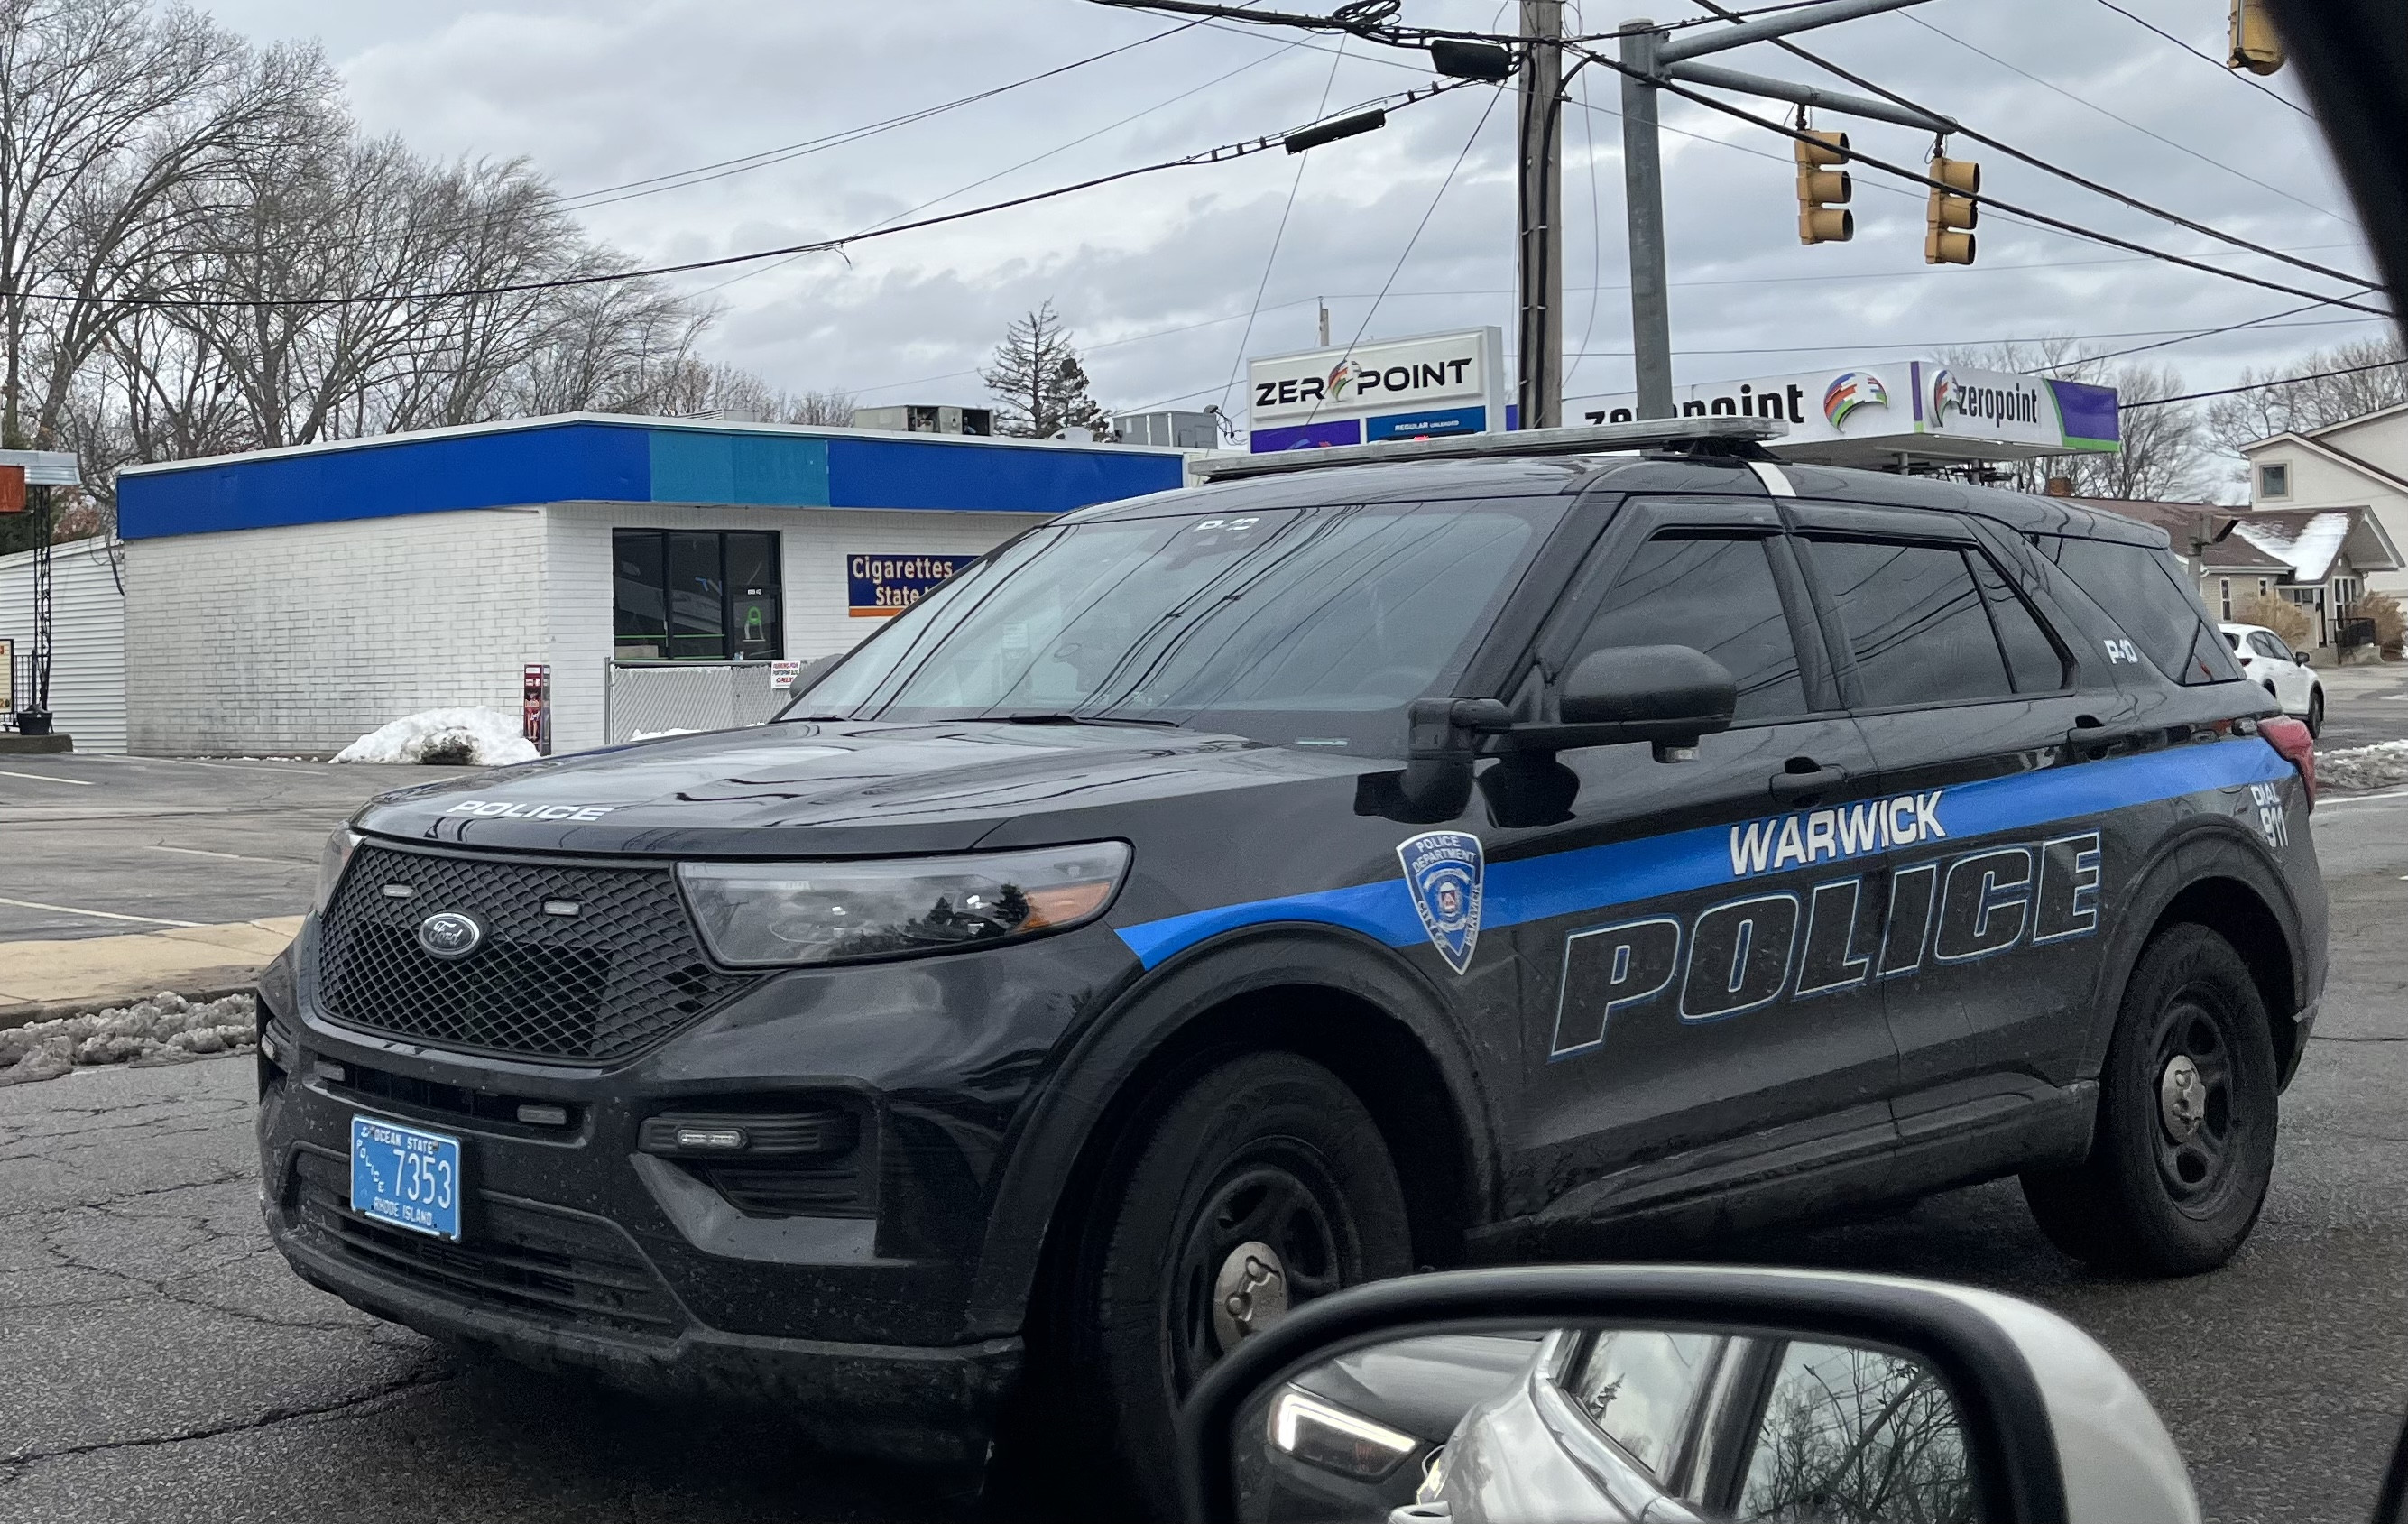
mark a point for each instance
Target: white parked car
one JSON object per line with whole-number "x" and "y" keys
{"x": 2283, "y": 672}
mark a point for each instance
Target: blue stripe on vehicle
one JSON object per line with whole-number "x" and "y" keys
{"x": 1601, "y": 878}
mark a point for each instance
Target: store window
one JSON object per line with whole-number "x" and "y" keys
{"x": 2273, "y": 480}
{"x": 696, "y": 595}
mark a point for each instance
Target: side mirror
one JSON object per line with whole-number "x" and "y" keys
{"x": 1671, "y": 695}
{"x": 1529, "y": 1393}
{"x": 2302, "y": 658}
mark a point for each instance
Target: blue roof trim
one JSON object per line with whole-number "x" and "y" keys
{"x": 894, "y": 472}
{"x": 753, "y": 469}
{"x": 557, "y": 462}
{"x": 579, "y": 460}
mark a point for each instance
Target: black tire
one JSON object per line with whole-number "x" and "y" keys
{"x": 2149, "y": 1199}
{"x": 1271, "y": 1149}
{"x": 2315, "y": 712}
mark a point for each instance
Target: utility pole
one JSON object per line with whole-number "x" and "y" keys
{"x": 1642, "y": 185}
{"x": 1653, "y": 57}
{"x": 1540, "y": 336}
{"x": 1325, "y": 321}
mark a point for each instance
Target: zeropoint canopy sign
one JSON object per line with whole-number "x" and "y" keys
{"x": 1398, "y": 389}
{"x": 1902, "y": 410}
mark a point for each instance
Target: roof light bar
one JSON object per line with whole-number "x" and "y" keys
{"x": 1723, "y": 435}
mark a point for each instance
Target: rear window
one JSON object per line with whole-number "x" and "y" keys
{"x": 2144, "y": 590}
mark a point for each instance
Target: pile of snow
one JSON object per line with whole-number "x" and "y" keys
{"x": 474, "y": 737}
{"x": 2383, "y": 765}
{"x": 165, "y": 1029}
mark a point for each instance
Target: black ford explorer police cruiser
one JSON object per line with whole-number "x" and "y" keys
{"x": 1468, "y": 852}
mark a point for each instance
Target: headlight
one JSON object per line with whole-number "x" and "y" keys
{"x": 1326, "y": 1436}
{"x": 756, "y": 915}
{"x": 331, "y": 862}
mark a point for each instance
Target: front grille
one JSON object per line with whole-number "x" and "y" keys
{"x": 622, "y": 973}
{"x": 561, "y": 1269}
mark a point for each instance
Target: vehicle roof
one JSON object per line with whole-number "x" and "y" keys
{"x": 1551, "y": 475}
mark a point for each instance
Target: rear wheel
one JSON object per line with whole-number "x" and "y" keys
{"x": 2184, "y": 1142}
{"x": 2316, "y": 711}
{"x": 1264, "y": 1186}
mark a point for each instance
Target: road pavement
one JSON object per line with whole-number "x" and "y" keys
{"x": 99, "y": 846}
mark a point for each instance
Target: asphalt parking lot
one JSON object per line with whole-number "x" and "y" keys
{"x": 100, "y": 846}
{"x": 159, "y": 1363}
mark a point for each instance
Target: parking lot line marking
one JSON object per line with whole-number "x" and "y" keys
{"x": 46, "y": 778}
{"x": 230, "y": 857}
{"x": 101, "y": 914}
{"x": 2362, "y": 798}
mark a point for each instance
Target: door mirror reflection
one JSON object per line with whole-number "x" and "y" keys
{"x": 1603, "y": 1424}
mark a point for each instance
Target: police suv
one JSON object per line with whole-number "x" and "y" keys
{"x": 1539, "y": 846}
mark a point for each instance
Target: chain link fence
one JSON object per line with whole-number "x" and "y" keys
{"x": 641, "y": 697}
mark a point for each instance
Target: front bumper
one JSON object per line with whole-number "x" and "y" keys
{"x": 846, "y": 1300}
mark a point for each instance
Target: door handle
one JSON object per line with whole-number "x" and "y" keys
{"x": 1802, "y": 781}
{"x": 2090, "y": 735}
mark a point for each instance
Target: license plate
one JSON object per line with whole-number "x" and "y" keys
{"x": 406, "y": 1178}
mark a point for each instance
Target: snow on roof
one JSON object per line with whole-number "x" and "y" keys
{"x": 2308, "y": 546}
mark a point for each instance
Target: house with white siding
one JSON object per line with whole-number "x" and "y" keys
{"x": 2360, "y": 462}
{"x": 87, "y": 640}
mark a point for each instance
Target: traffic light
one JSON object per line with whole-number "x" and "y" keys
{"x": 1823, "y": 190}
{"x": 2255, "y": 45}
{"x": 1948, "y": 236}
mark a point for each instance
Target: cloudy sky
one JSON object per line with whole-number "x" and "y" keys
{"x": 1158, "y": 275}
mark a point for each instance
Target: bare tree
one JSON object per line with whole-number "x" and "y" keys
{"x": 118, "y": 124}
{"x": 1038, "y": 379}
{"x": 2265, "y": 411}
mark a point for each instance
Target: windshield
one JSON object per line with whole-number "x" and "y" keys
{"x": 1300, "y": 626}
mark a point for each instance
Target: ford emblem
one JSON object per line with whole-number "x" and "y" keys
{"x": 448, "y": 933}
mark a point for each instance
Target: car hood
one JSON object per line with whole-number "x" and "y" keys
{"x": 829, "y": 788}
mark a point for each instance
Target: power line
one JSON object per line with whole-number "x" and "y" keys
{"x": 1295, "y": 183}
{"x": 1222, "y": 154}
{"x": 2061, "y": 224}
{"x": 2126, "y": 122}
{"x": 1454, "y": 169}
{"x": 2219, "y": 65}
{"x": 2266, "y": 385}
{"x": 2046, "y": 167}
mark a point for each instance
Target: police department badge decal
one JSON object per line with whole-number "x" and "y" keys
{"x": 1442, "y": 872}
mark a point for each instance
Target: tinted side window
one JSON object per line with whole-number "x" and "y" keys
{"x": 2143, "y": 593}
{"x": 1917, "y": 623}
{"x": 2266, "y": 645}
{"x": 1640, "y": 1385}
{"x": 2032, "y": 658}
{"x": 1717, "y": 595}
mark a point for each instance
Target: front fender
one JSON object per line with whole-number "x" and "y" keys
{"x": 1173, "y": 1008}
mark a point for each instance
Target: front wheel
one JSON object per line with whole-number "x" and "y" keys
{"x": 2315, "y": 712}
{"x": 1265, "y": 1184}
{"x": 2184, "y": 1147}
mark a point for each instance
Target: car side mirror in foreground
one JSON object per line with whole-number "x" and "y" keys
{"x": 1673, "y": 1394}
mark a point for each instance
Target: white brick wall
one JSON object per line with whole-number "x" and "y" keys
{"x": 88, "y": 640}
{"x": 301, "y": 640}
{"x": 813, "y": 542}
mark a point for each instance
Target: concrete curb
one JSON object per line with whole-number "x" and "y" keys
{"x": 41, "y": 981}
